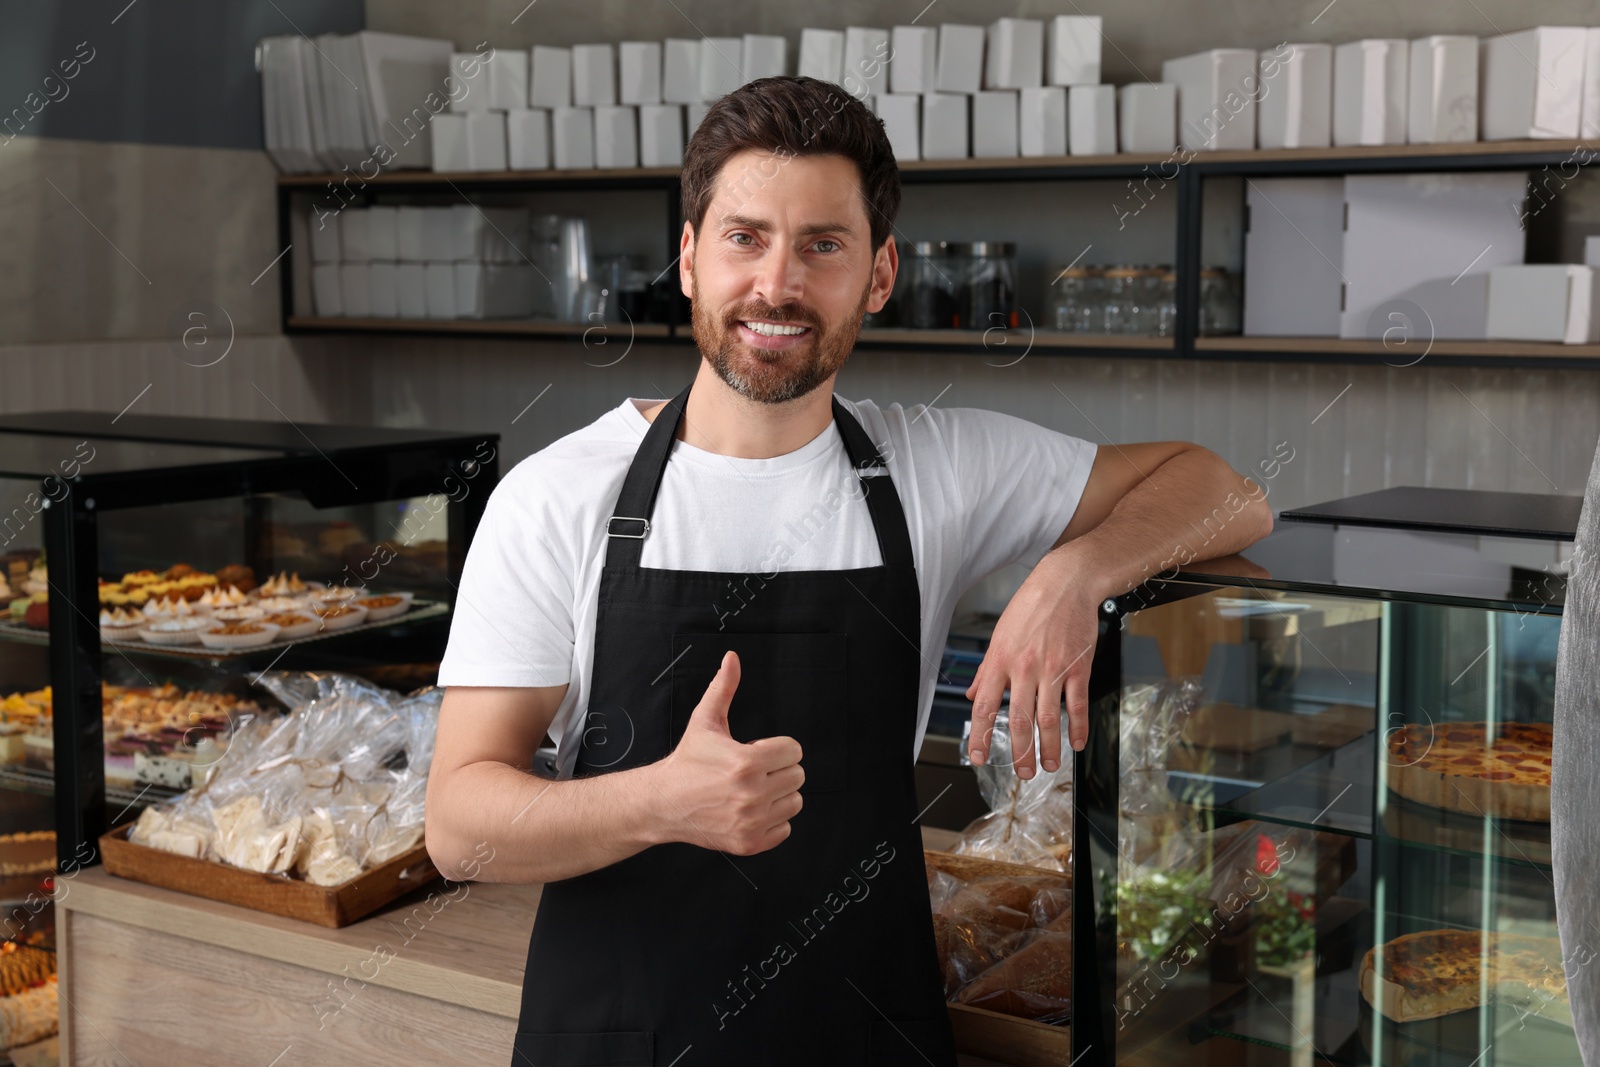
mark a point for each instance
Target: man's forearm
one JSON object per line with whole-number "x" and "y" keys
{"x": 1193, "y": 506}
{"x": 538, "y": 830}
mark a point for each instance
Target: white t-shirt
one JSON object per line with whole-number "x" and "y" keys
{"x": 980, "y": 490}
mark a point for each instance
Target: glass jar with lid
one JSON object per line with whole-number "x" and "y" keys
{"x": 927, "y": 297}
{"x": 1146, "y": 317}
{"x": 1119, "y": 306}
{"x": 990, "y": 289}
{"x": 1219, "y": 303}
{"x": 1167, "y": 311}
{"x": 1075, "y": 300}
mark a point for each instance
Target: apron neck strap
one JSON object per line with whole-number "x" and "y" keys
{"x": 629, "y": 523}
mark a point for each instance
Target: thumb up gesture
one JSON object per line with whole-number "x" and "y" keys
{"x": 725, "y": 794}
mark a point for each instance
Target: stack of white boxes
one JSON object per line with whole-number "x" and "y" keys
{"x": 408, "y": 262}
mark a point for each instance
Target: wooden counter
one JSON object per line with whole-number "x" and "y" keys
{"x": 153, "y": 976}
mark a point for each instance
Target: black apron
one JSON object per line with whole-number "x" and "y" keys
{"x": 819, "y": 951}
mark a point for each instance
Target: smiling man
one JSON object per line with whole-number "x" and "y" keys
{"x": 727, "y": 608}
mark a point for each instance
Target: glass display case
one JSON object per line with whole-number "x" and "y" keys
{"x": 1314, "y": 821}
{"x": 117, "y": 525}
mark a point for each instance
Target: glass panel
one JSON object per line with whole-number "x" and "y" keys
{"x": 40, "y": 456}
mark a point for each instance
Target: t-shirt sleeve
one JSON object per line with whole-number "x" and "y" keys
{"x": 1020, "y": 484}
{"x": 513, "y": 621}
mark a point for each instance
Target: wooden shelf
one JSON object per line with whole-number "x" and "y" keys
{"x": 531, "y": 327}
{"x": 1002, "y": 340}
{"x": 1490, "y": 153}
{"x": 1487, "y": 350}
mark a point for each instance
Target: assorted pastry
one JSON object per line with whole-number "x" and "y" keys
{"x": 158, "y": 734}
{"x": 332, "y": 789}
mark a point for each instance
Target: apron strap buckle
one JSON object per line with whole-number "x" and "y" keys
{"x": 644, "y": 526}
{"x": 872, "y": 468}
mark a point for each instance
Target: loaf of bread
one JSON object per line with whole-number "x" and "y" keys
{"x": 1033, "y": 982}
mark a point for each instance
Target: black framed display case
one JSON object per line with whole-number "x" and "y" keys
{"x": 1275, "y": 862}
{"x": 109, "y": 497}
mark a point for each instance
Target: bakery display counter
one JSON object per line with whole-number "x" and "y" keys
{"x": 1315, "y": 808}
{"x": 154, "y": 976}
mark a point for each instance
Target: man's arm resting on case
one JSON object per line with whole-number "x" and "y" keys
{"x": 489, "y": 819}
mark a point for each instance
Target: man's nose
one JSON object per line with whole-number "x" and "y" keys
{"x": 781, "y": 276}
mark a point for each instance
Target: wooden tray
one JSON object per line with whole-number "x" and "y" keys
{"x": 324, "y": 905}
{"x": 1021, "y": 1042}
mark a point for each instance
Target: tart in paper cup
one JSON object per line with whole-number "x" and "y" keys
{"x": 273, "y": 604}
{"x": 121, "y": 635}
{"x": 185, "y": 631}
{"x": 385, "y": 605}
{"x": 239, "y": 614}
{"x": 294, "y": 624}
{"x": 247, "y": 634}
{"x": 335, "y": 594}
{"x": 339, "y": 616}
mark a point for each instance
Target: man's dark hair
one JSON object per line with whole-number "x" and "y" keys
{"x": 793, "y": 117}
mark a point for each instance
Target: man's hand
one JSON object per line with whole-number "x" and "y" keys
{"x": 1041, "y": 648}
{"x": 727, "y": 794}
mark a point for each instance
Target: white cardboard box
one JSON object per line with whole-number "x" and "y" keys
{"x": 1091, "y": 120}
{"x": 495, "y": 291}
{"x": 866, "y": 61}
{"x": 325, "y": 244}
{"x": 382, "y": 234}
{"x": 439, "y": 290}
{"x": 325, "y": 290}
{"x": 439, "y": 229}
{"x": 550, "y": 82}
{"x": 764, "y": 56}
{"x": 1042, "y": 121}
{"x": 1533, "y": 83}
{"x": 1370, "y": 86}
{"x": 353, "y": 233}
{"x": 661, "y": 135}
{"x": 915, "y": 66}
{"x": 680, "y": 71}
{"x": 902, "y": 120}
{"x": 1147, "y": 117}
{"x": 1418, "y": 249}
{"x": 1442, "y": 101}
{"x": 616, "y": 137}
{"x": 594, "y": 75}
{"x": 944, "y": 125}
{"x": 411, "y": 290}
{"x": 994, "y": 123}
{"x": 528, "y": 139}
{"x": 1293, "y": 248}
{"x": 1072, "y": 50}
{"x": 822, "y": 55}
{"x": 692, "y": 114}
{"x": 1014, "y": 58}
{"x": 486, "y": 140}
{"x": 408, "y": 227}
{"x": 1557, "y": 302}
{"x": 472, "y": 73}
{"x": 353, "y": 292}
{"x": 485, "y": 234}
{"x": 382, "y": 300}
{"x": 960, "y": 58}
{"x": 1589, "y": 113}
{"x": 1591, "y": 251}
{"x": 721, "y": 66}
{"x": 508, "y": 79}
{"x": 1216, "y": 99}
{"x": 1296, "y": 99}
{"x": 572, "y": 137}
{"x": 639, "y": 72}
{"x": 449, "y": 147}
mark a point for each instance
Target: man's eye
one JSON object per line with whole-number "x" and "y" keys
{"x": 832, "y": 246}
{"x": 741, "y": 238}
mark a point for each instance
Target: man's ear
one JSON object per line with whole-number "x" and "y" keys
{"x": 885, "y": 267}
{"x": 686, "y": 260}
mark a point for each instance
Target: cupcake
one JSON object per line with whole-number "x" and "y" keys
{"x": 234, "y": 635}
{"x": 175, "y": 631}
{"x": 384, "y": 605}
{"x": 339, "y": 616}
{"x": 293, "y": 624}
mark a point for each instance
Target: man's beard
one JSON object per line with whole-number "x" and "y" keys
{"x": 777, "y": 376}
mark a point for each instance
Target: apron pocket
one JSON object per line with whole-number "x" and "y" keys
{"x": 617, "y": 1048}
{"x": 908, "y": 1042}
{"x": 790, "y": 685}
